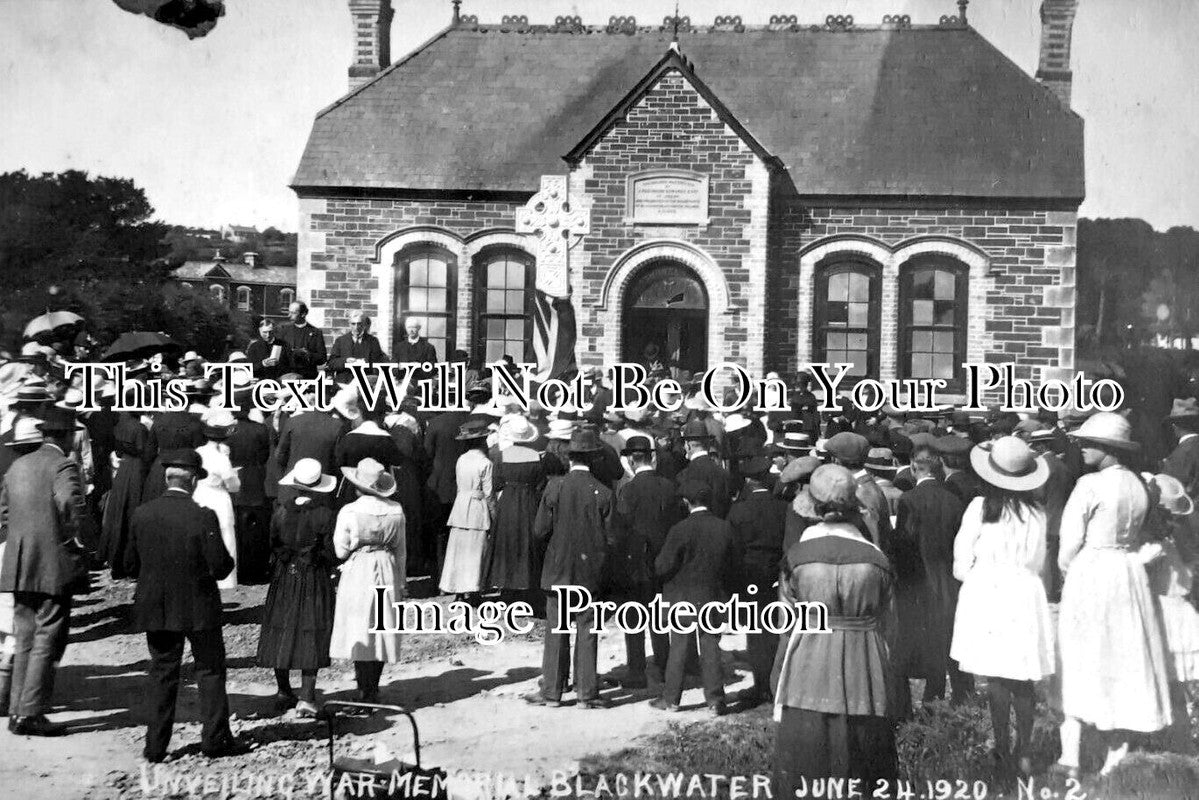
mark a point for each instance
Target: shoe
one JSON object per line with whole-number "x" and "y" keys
{"x": 307, "y": 709}
{"x": 594, "y": 703}
{"x": 154, "y": 758}
{"x": 37, "y": 726}
{"x": 233, "y": 747}
{"x": 285, "y": 702}
{"x": 536, "y": 699}
{"x": 717, "y": 710}
{"x": 12, "y": 724}
{"x": 662, "y": 704}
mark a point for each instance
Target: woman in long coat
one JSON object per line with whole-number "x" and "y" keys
{"x": 1002, "y": 629}
{"x": 132, "y": 450}
{"x": 1114, "y": 663}
{"x": 471, "y": 515}
{"x": 367, "y": 439}
{"x": 297, "y": 619}
{"x": 835, "y": 690}
{"x": 370, "y": 537}
{"x": 513, "y": 562}
{"x": 214, "y": 492}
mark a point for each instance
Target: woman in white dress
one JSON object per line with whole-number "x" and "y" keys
{"x": 369, "y": 536}
{"x": 213, "y": 492}
{"x": 471, "y": 515}
{"x": 1114, "y": 663}
{"x": 1002, "y": 629}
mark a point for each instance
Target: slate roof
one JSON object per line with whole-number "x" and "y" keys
{"x": 924, "y": 111}
{"x": 238, "y": 273}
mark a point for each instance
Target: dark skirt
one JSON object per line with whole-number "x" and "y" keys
{"x": 512, "y": 560}
{"x": 813, "y": 745}
{"x": 124, "y": 496}
{"x": 156, "y": 481}
{"x": 297, "y": 620}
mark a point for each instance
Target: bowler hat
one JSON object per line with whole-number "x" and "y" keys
{"x": 696, "y": 429}
{"x": 638, "y": 444}
{"x": 695, "y": 491}
{"x": 755, "y": 467}
{"x": 848, "y": 446}
{"x": 57, "y": 419}
{"x": 185, "y": 458}
{"x": 585, "y": 440}
{"x": 1009, "y": 463}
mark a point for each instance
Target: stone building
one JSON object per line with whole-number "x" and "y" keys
{"x": 898, "y": 196}
{"x": 260, "y": 291}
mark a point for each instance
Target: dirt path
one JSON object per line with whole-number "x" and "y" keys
{"x": 467, "y": 699}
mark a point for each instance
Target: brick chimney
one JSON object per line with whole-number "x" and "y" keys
{"x": 372, "y": 39}
{"x": 1057, "y": 22}
{"x": 253, "y": 260}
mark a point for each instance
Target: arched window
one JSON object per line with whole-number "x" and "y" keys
{"x": 286, "y": 298}
{"x": 243, "y": 298}
{"x": 425, "y": 288}
{"x": 505, "y": 305}
{"x": 218, "y": 293}
{"x": 933, "y": 292}
{"x": 847, "y": 315}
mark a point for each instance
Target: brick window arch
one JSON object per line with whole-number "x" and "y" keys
{"x": 847, "y": 314}
{"x": 426, "y": 288}
{"x": 933, "y": 315}
{"x": 218, "y": 293}
{"x": 243, "y": 298}
{"x": 504, "y": 286}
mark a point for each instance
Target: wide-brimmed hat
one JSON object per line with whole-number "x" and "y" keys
{"x": 518, "y": 430}
{"x": 1107, "y": 428}
{"x": 1172, "y": 495}
{"x": 1009, "y": 463}
{"x": 218, "y": 423}
{"x": 1185, "y": 410}
{"x": 832, "y": 483}
{"x": 72, "y": 399}
{"x": 31, "y": 394}
{"x": 307, "y": 475}
{"x": 371, "y": 477}
{"x": 473, "y": 429}
{"x": 585, "y": 441}
{"x": 638, "y": 444}
{"x": 346, "y": 403}
{"x": 848, "y": 446}
{"x": 736, "y": 421}
{"x": 190, "y": 355}
{"x": 560, "y": 430}
{"x": 635, "y": 415}
{"x": 25, "y": 431}
{"x": 185, "y": 458}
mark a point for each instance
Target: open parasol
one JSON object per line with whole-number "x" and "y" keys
{"x": 140, "y": 344}
{"x": 52, "y": 323}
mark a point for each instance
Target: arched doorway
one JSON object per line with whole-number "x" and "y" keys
{"x": 666, "y": 305}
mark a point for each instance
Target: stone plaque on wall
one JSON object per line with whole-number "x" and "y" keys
{"x": 667, "y": 197}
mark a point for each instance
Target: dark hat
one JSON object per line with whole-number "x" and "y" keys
{"x": 755, "y": 467}
{"x": 953, "y": 445}
{"x": 848, "y": 446}
{"x": 473, "y": 429}
{"x": 959, "y": 419}
{"x": 696, "y": 429}
{"x": 1185, "y": 410}
{"x": 923, "y": 439}
{"x": 901, "y": 445}
{"x": 638, "y": 444}
{"x": 585, "y": 441}
{"x": 57, "y": 419}
{"x": 185, "y": 458}
{"x": 479, "y": 388}
{"x": 695, "y": 491}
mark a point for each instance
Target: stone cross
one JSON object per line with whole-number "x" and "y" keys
{"x": 558, "y": 222}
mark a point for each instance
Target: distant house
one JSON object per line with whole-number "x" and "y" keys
{"x": 237, "y": 233}
{"x": 249, "y": 287}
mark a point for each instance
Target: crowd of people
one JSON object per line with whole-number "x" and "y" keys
{"x": 942, "y": 544}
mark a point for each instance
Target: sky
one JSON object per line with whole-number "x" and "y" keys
{"x": 213, "y": 128}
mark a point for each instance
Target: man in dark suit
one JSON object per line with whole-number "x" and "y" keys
{"x": 849, "y": 450}
{"x": 249, "y": 450}
{"x": 576, "y": 515}
{"x": 442, "y": 449}
{"x": 702, "y": 467}
{"x": 176, "y": 553}
{"x": 358, "y": 346}
{"x": 260, "y": 353}
{"x": 921, "y": 551}
{"x": 306, "y": 342}
{"x": 955, "y": 456}
{"x": 415, "y": 349}
{"x": 43, "y": 520}
{"x": 697, "y": 565}
{"x": 646, "y": 507}
{"x": 759, "y": 519}
{"x": 308, "y": 434}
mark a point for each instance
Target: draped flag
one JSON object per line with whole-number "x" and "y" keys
{"x": 554, "y": 337}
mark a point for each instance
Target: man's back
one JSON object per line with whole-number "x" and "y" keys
{"x": 443, "y": 450}
{"x": 41, "y": 509}
{"x": 312, "y": 434}
{"x": 576, "y": 516}
{"x": 704, "y": 469}
{"x": 176, "y": 553}
{"x": 697, "y": 562}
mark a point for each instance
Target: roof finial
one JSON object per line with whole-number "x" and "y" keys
{"x": 674, "y": 41}
{"x": 457, "y": 11}
{"x": 962, "y": 10}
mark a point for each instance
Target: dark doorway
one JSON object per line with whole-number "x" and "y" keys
{"x": 666, "y": 306}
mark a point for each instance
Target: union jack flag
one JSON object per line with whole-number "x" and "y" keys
{"x": 554, "y": 337}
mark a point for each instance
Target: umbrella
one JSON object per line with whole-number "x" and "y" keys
{"x": 140, "y": 344}
{"x": 50, "y": 322}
